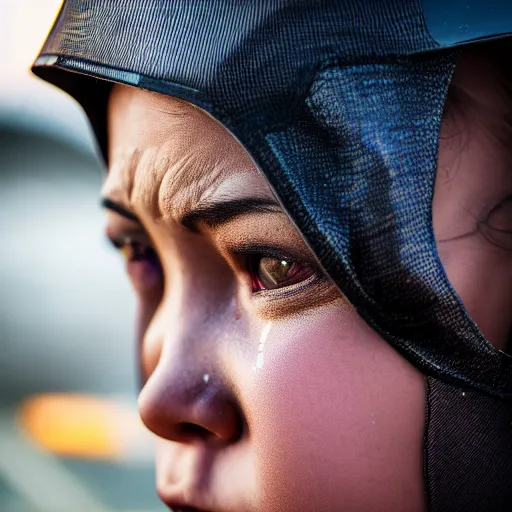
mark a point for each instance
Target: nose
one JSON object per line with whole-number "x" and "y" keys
{"x": 187, "y": 396}
{"x": 189, "y": 406}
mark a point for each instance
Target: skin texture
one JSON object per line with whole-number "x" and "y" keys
{"x": 277, "y": 400}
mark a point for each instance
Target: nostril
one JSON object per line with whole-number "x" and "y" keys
{"x": 192, "y": 430}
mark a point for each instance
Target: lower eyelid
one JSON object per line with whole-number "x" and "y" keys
{"x": 290, "y": 290}
{"x": 315, "y": 292}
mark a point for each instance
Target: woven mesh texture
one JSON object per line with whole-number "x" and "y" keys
{"x": 468, "y": 451}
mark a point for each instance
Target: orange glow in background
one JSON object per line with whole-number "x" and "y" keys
{"x": 84, "y": 426}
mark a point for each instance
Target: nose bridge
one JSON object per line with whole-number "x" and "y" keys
{"x": 186, "y": 395}
{"x": 207, "y": 286}
{"x": 199, "y": 303}
{"x": 178, "y": 339}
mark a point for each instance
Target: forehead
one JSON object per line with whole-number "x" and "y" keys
{"x": 137, "y": 116}
{"x": 163, "y": 150}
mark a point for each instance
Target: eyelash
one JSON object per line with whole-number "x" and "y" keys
{"x": 253, "y": 258}
{"x": 135, "y": 251}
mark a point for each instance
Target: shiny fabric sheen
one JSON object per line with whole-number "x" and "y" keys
{"x": 452, "y": 22}
{"x": 173, "y": 40}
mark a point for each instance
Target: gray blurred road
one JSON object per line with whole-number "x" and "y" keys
{"x": 65, "y": 323}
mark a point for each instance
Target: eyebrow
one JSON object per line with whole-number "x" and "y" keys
{"x": 213, "y": 215}
{"x": 108, "y": 204}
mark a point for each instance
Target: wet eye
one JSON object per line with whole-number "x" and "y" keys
{"x": 271, "y": 273}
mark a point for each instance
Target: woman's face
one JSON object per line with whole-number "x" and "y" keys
{"x": 265, "y": 388}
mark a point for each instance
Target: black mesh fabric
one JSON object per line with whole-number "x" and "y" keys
{"x": 340, "y": 105}
{"x": 468, "y": 450}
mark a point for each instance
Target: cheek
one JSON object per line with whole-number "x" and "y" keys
{"x": 482, "y": 277}
{"x": 470, "y": 181}
{"x": 338, "y": 418}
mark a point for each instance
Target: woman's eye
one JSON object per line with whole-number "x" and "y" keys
{"x": 142, "y": 264}
{"x": 271, "y": 273}
{"x": 135, "y": 251}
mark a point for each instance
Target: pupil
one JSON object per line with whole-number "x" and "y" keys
{"x": 273, "y": 272}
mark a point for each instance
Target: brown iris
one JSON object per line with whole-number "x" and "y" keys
{"x": 270, "y": 273}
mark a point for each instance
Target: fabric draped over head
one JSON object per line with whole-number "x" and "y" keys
{"x": 340, "y": 106}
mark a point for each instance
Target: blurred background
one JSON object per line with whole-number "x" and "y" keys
{"x": 70, "y": 436}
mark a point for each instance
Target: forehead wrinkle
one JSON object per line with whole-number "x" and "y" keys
{"x": 196, "y": 159}
{"x": 182, "y": 155}
{"x": 119, "y": 182}
{"x": 148, "y": 177}
{"x": 189, "y": 180}
{"x": 170, "y": 180}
